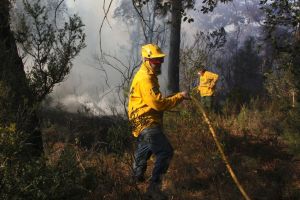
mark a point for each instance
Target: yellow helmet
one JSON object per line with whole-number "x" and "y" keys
{"x": 152, "y": 51}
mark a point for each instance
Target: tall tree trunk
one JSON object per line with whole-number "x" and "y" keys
{"x": 152, "y": 22}
{"x": 173, "y": 67}
{"x": 296, "y": 62}
{"x": 16, "y": 100}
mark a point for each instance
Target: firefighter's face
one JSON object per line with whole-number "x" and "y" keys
{"x": 201, "y": 72}
{"x": 156, "y": 64}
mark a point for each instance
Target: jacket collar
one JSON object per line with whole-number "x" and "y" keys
{"x": 147, "y": 68}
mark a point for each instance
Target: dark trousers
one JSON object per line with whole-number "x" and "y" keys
{"x": 207, "y": 102}
{"x": 152, "y": 141}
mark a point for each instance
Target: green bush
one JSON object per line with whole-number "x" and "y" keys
{"x": 118, "y": 137}
{"x": 291, "y": 131}
{"x": 38, "y": 178}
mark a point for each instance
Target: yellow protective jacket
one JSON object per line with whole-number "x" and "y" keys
{"x": 146, "y": 103}
{"x": 207, "y": 83}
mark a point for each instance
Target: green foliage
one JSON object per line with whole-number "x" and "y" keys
{"x": 50, "y": 47}
{"x": 204, "y": 46}
{"x": 293, "y": 140}
{"x": 210, "y": 5}
{"x": 38, "y": 179}
{"x": 281, "y": 87}
{"x": 118, "y": 137}
{"x": 281, "y": 12}
{"x": 256, "y": 119}
{"x": 14, "y": 92}
{"x": 247, "y": 73}
{"x": 283, "y": 15}
{"x": 291, "y": 130}
{"x": 238, "y": 97}
{"x": 109, "y": 134}
{"x": 10, "y": 142}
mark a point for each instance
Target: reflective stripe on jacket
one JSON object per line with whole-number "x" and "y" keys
{"x": 207, "y": 83}
{"x": 146, "y": 103}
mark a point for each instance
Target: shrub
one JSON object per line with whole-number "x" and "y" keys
{"x": 118, "y": 137}
{"x": 37, "y": 178}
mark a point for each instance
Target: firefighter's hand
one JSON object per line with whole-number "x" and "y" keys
{"x": 186, "y": 95}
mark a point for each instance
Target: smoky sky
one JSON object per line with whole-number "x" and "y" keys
{"x": 85, "y": 85}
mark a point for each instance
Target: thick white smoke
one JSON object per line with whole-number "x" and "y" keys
{"x": 85, "y": 84}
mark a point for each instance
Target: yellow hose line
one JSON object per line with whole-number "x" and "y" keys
{"x": 224, "y": 158}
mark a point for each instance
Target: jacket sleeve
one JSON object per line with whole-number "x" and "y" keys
{"x": 154, "y": 99}
{"x": 214, "y": 78}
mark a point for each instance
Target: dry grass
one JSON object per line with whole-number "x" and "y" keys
{"x": 250, "y": 139}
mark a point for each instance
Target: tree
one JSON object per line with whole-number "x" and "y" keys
{"x": 144, "y": 20}
{"x": 173, "y": 66}
{"x": 247, "y": 76}
{"x": 177, "y": 10}
{"x": 48, "y": 50}
{"x": 15, "y": 94}
{"x": 282, "y": 24}
{"x": 283, "y": 15}
{"x": 202, "y": 49}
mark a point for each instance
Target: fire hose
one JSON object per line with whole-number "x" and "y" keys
{"x": 223, "y": 156}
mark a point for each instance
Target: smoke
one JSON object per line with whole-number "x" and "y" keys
{"x": 86, "y": 86}
{"x": 86, "y": 83}
{"x": 86, "y": 104}
{"x": 242, "y": 18}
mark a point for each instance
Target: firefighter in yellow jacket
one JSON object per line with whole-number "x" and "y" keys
{"x": 145, "y": 110}
{"x": 206, "y": 88}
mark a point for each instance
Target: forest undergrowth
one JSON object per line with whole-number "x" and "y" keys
{"x": 89, "y": 157}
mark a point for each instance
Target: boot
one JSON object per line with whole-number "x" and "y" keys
{"x": 154, "y": 192}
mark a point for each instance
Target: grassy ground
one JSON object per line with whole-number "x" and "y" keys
{"x": 251, "y": 139}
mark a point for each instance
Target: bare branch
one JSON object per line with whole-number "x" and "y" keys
{"x": 140, "y": 14}
{"x": 56, "y": 9}
{"x": 102, "y": 23}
